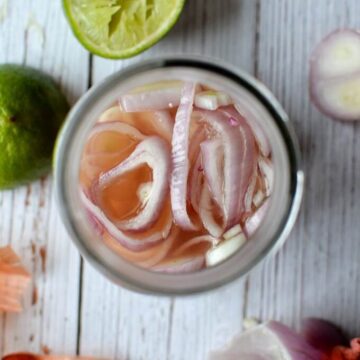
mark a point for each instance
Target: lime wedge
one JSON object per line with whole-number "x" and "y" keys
{"x": 120, "y": 29}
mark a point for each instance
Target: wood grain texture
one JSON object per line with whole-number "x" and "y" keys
{"x": 317, "y": 271}
{"x": 35, "y": 33}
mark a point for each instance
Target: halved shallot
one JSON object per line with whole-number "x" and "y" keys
{"x": 180, "y": 158}
{"x": 154, "y": 152}
{"x": 335, "y": 75}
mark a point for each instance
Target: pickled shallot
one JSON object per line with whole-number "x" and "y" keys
{"x": 174, "y": 177}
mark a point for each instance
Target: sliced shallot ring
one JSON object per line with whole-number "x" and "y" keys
{"x": 249, "y": 159}
{"x": 253, "y": 119}
{"x": 195, "y": 184}
{"x": 182, "y": 266}
{"x": 119, "y": 127}
{"x": 206, "y": 213}
{"x": 164, "y": 124}
{"x": 148, "y": 257}
{"x": 131, "y": 242}
{"x": 154, "y": 152}
{"x": 267, "y": 170}
{"x": 237, "y": 148}
{"x": 212, "y": 152}
{"x": 254, "y": 221}
{"x": 180, "y": 158}
{"x": 195, "y": 241}
{"x": 159, "y": 96}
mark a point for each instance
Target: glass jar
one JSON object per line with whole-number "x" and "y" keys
{"x": 284, "y": 201}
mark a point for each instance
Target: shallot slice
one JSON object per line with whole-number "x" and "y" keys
{"x": 212, "y": 152}
{"x": 254, "y": 221}
{"x": 159, "y": 96}
{"x": 180, "y": 158}
{"x": 212, "y": 241}
{"x": 239, "y": 157}
{"x": 267, "y": 170}
{"x": 181, "y": 266}
{"x": 270, "y": 341}
{"x": 154, "y": 152}
{"x": 196, "y": 183}
{"x": 117, "y": 126}
{"x": 148, "y": 257}
{"x": 253, "y": 119}
{"x": 132, "y": 242}
{"x": 206, "y": 213}
{"x": 335, "y": 75}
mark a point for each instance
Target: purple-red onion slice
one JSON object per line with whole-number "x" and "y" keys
{"x": 196, "y": 181}
{"x": 322, "y": 335}
{"x": 154, "y": 152}
{"x": 271, "y": 341}
{"x": 212, "y": 152}
{"x": 233, "y": 160}
{"x": 206, "y": 213}
{"x": 180, "y": 158}
{"x": 253, "y": 119}
{"x": 132, "y": 242}
{"x": 335, "y": 75}
{"x": 159, "y": 96}
{"x": 267, "y": 171}
{"x": 254, "y": 221}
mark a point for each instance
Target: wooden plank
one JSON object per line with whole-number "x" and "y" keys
{"x": 138, "y": 327}
{"x": 35, "y": 33}
{"x": 317, "y": 272}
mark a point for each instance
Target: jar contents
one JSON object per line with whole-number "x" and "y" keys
{"x": 176, "y": 177}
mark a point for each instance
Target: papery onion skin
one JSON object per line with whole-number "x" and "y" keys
{"x": 322, "y": 334}
{"x": 180, "y": 158}
{"x": 154, "y": 152}
{"x": 297, "y": 347}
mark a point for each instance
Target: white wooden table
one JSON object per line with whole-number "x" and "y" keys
{"x": 316, "y": 273}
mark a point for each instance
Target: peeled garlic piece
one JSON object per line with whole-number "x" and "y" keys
{"x": 224, "y": 250}
{"x": 211, "y": 100}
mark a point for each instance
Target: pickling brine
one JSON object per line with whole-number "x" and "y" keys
{"x": 175, "y": 177}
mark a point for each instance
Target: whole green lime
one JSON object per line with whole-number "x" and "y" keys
{"x": 32, "y": 109}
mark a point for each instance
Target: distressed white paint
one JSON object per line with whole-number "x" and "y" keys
{"x": 35, "y": 33}
{"x": 316, "y": 273}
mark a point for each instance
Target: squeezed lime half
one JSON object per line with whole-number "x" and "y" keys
{"x": 120, "y": 29}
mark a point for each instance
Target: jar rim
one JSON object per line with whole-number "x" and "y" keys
{"x": 96, "y": 257}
